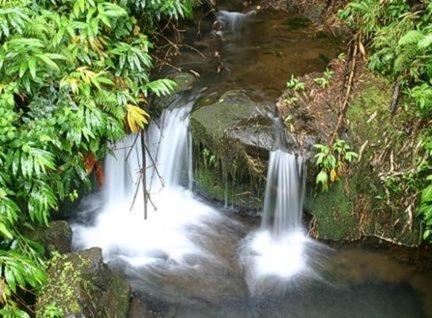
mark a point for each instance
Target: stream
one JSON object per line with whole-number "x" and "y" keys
{"x": 185, "y": 256}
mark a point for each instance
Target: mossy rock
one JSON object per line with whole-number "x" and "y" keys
{"x": 334, "y": 214}
{"x": 79, "y": 284}
{"x": 362, "y": 204}
{"x": 244, "y": 195}
{"x": 232, "y": 139}
{"x": 57, "y": 237}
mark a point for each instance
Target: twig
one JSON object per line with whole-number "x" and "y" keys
{"x": 345, "y": 102}
{"x": 143, "y": 173}
{"x": 395, "y": 98}
{"x": 131, "y": 147}
{"x": 154, "y": 165}
{"x": 136, "y": 193}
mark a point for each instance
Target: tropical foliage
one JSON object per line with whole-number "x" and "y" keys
{"x": 333, "y": 161}
{"x": 74, "y": 75}
{"x": 399, "y": 36}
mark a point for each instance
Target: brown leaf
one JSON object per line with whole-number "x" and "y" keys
{"x": 100, "y": 174}
{"x": 89, "y": 162}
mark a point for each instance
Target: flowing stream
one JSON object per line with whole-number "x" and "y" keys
{"x": 191, "y": 259}
{"x": 186, "y": 257}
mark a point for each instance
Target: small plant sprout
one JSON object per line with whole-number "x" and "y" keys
{"x": 289, "y": 122}
{"x": 295, "y": 84}
{"x": 324, "y": 81}
{"x": 290, "y": 100}
{"x": 332, "y": 160}
{"x": 342, "y": 56}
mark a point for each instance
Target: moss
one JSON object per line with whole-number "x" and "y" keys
{"x": 237, "y": 194}
{"x": 334, "y": 213}
{"x": 238, "y": 162}
{"x": 80, "y": 285}
{"x": 368, "y": 203}
{"x": 64, "y": 287}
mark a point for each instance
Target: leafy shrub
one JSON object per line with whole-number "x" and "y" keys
{"x": 73, "y": 76}
{"x": 333, "y": 161}
{"x": 325, "y": 80}
{"x": 399, "y": 34}
{"x": 295, "y": 84}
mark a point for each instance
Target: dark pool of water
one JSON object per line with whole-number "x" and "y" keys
{"x": 263, "y": 52}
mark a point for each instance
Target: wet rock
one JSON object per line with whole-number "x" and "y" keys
{"x": 57, "y": 237}
{"x": 236, "y": 118}
{"x": 80, "y": 285}
{"x": 232, "y": 137}
{"x": 140, "y": 309}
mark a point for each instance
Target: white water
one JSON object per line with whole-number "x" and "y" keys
{"x": 169, "y": 234}
{"x": 120, "y": 228}
{"x": 279, "y": 247}
{"x": 283, "y": 202}
{"x": 232, "y": 21}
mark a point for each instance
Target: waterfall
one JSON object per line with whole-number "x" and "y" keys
{"x": 278, "y": 248}
{"x": 283, "y": 202}
{"x": 232, "y": 21}
{"x": 123, "y": 171}
{"x": 120, "y": 228}
{"x": 170, "y": 148}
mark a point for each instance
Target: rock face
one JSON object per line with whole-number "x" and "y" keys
{"x": 81, "y": 285}
{"x": 368, "y": 200}
{"x": 232, "y": 139}
{"x": 57, "y": 237}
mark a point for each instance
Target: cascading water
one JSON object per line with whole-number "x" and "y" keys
{"x": 120, "y": 228}
{"x": 170, "y": 148}
{"x": 277, "y": 249}
{"x": 283, "y": 203}
{"x": 183, "y": 260}
{"x": 232, "y": 21}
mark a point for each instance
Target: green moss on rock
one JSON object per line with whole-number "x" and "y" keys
{"x": 235, "y": 134}
{"x": 334, "y": 213}
{"x": 80, "y": 285}
{"x": 368, "y": 204}
{"x": 209, "y": 183}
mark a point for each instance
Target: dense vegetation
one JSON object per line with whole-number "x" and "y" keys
{"x": 398, "y": 34}
{"x": 74, "y": 75}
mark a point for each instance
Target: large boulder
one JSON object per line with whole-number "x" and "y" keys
{"x": 80, "y": 285}
{"x": 232, "y": 138}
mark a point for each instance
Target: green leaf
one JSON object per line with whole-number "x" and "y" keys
{"x": 427, "y": 194}
{"x": 32, "y": 67}
{"x": 322, "y": 178}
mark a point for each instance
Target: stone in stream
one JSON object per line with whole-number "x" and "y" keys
{"x": 80, "y": 285}
{"x": 232, "y": 136}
